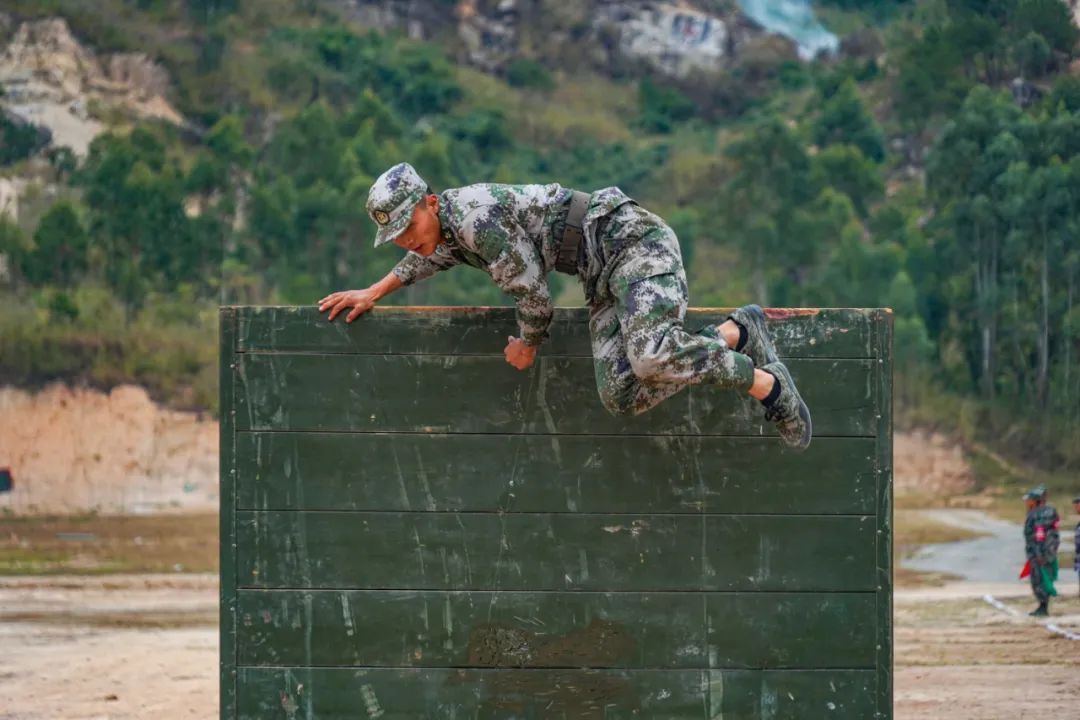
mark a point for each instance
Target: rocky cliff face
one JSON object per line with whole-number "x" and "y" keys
{"x": 52, "y": 81}
{"x": 677, "y": 38}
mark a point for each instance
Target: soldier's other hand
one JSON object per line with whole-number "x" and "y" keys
{"x": 359, "y": 300}
{"x": 518, "y": 353}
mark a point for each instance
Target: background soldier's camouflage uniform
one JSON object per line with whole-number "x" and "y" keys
{"x": 1041, "y": 522}
{"x": 629, "y": 265}
{"x": 1076, "y": 550}
{"x": 1076, "y": 543}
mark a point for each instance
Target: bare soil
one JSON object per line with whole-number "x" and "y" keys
{"x": 958, "y": 657}
{"x": 116, "y": 647}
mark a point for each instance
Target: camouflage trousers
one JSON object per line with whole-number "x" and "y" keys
{"x": 1037, "y": 587}
{"x": 641, "y": 351}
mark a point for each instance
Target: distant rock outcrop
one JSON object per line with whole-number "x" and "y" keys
{"x": 676, "y": 38}
{"x": 9, "y": 198}
{"x": 52, "y": 81}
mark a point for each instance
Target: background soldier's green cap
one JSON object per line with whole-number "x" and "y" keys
{"x": 1076, "y": 499}
{"x": 391, "y": 201}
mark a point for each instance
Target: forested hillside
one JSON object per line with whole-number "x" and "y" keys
{"x": 931, "y": 164}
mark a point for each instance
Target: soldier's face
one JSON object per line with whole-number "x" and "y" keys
{"x": 1030, "y": 503}
{"x": 423, "y": 234}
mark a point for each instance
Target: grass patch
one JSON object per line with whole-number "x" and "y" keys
{"x": 843, "y": 21}
{"x": 579, "y": 109}
{"x": 155, "y": 620}
{"x": 907, "y": 578}
{"x": 915, "y": 501}
{"x": 913, "y": 528}
{"x": 102, "y": 544}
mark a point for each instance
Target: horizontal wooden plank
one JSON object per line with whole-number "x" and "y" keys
{"x": 791, "y": 694}
{"x": 839, "y": 333}
{"x": 785, "y": 630}
{"x": 427, "y": 393}
{"x": 438, "y": 694}
{"x": 538, "y": 473}
{"x": 555, "y": 629}
{"x": 471, "y": 629}
{"x": 525, "y": 551}
{"x": 442, "y": 694}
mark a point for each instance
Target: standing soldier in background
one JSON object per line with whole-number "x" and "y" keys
{"x": 1076, "y": 538}
{"x": 1041, "y": 540}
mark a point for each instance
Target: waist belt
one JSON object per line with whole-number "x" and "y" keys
{"x": 573, "y": 234}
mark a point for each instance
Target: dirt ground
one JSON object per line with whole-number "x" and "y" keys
{"x": 127, "y": 647}
{"x": 108, "y": 647}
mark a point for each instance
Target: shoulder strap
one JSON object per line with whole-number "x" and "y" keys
{"x": 573, "y": 234}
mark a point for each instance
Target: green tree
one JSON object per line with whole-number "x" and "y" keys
{"x": 309, "y": 148}
{"x": 14, "y": 245}
{"x": 226, "y": 140}
{"x": 771, "y": 180}
{"x": 1066, "y": 93}
{"x": 845, "y": 168}
{"x": 525, "y": 73}
{"x": 59, "y": 255}
{"x": 19, "y": 140}
{"x": 661, "y": 106}
{"x": 929, "y": 78}
{"x": 207, "y": 10}
{"x": 134, "y": 193}
{"x": 1033, "y": 55}
{"x": 1051, "y": 20}
{"x": 844, "y": 120}
{"x": 836, "y": 264}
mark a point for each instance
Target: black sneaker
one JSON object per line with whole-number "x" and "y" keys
{"x": 1040, "y": 611}
{"x": 759, "y": 346}
{"x": 788, "y": 411}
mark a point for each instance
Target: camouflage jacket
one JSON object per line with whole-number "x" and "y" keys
{"x": 1041, "y": 535}
{"x": 511, "y": 232}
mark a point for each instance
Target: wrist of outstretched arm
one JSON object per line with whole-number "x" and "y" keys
{"x": 533, "y": 323}
{"x": 533, "y": 335}
{"x": 388, "y": 284}
{"x": 533, "y": 340}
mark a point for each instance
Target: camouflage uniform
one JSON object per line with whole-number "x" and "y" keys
{"x": 1041, "y": 540}
{"x": 1076, "y": 542}
{"x": 631, "y": 269}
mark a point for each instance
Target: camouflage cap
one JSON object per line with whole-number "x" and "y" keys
{"x": 1039, "y": 491}
{"x": 391, "y": 201}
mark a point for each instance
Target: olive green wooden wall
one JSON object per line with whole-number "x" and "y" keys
{"x": 410, "y": 528}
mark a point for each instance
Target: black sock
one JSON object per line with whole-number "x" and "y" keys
{"x": 742, "y": 336}
{"x": 773, "y": 394}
